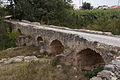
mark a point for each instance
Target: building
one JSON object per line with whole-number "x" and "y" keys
{"x": 113, "y": 7}
{"x": 103, "y": 7}
{"x": 75, "y": 6}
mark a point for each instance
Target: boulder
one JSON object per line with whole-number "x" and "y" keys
{"x": 17, "y": 59}
{"x": 96, "y": 78}
{"x": 108, "y": 75}
{"x": 8, "y": 61}
{"x": 109, "y": 67}
{"x": 3, "y": 60}
{"x": 35, "y": 23}
{"x": 118, "y": 58}
{"x": 30, "y": 58}
{"x": 116, "y": 62}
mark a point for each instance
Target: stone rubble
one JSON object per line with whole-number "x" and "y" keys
{"x": 18, "y": 59}
{"x": 30, "y": 58}
{"x": 110, "y": 72}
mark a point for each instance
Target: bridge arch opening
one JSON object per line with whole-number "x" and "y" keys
{"x": 39, "y": 41}
{"x": 89, "y": 59}
{"x": 19, "y": 31}
{"x": 56, "y": 47}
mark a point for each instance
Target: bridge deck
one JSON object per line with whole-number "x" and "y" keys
{"x": 105, "y": 39}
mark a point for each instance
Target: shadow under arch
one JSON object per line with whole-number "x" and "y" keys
{"x": 19, "y": 31}
{"x": 88, "y": 59}
{"x": 39, "y": 41}
{"x": 56, "y": 47}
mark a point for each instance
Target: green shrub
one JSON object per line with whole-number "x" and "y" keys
{"x": 8, "y": 39}
{"x": 55, "y": 61}
{"x": 93, "y": 72}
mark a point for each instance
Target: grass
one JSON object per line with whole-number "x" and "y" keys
{"x": 34, "y": 71}
{"x": 44, "y": 69}
{"x": 20, "y": 51}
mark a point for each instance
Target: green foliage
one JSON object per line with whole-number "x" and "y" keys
{"x": 93, "y": 72}
{"x": 59, "y": 12}
{"x": 55, "y": 61}
{"x": 8, "y": 39}
{"x": 40, "y": 10}
{"x": 87, "y": 5}
{"x": 14, "y": 35}
{"x": 101, "y": 20}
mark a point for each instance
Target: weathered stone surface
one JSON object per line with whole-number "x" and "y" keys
{"x": 116, "y": 62}
{"x": 109, "y": 67}
{"x": 42, "y": 51}
{"x": 30, "y": 58}
{"x": 8, "y": 61}
{"x": 96, "y": 78}
{"x": 25, "y": 21}
{"x": 35, "y": 23}
{"x": 118, "y": 58}
{"x": 106, "y": 74}
{"x": 3, "y": 60}
{"x": 18, "y": 59}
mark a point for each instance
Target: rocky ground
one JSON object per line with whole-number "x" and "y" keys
{"x": 110, "y": 72}
{"x": 27, "y": 63}
{"x": 18, "y": 59}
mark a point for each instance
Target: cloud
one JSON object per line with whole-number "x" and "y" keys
{"x": 96, "y": 3}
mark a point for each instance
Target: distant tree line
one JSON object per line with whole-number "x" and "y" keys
{"x": 45, "y": 11}
{"x": 101, "y": 20}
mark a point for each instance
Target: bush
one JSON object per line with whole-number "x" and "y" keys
{"x": 8, "y": 39}
{"x": 93, "y": 72}
{"x": 55, "y": 61}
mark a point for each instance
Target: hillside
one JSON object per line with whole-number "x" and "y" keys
{"x": 45, "y": 68}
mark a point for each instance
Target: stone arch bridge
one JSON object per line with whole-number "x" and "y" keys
{"x": 80, "y": 48}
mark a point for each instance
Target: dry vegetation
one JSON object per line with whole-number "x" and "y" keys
{"x": 35, "y": 71}
{"x": 20, "y": 51}
{"x": 44, "y": 69}
{"x": 47, "y": 68}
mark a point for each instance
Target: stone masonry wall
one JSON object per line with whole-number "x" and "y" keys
{"x": 72, "y": 43}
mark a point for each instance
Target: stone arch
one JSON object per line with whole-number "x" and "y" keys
{"x": 24, "y": 44}
{"x": 88, "y": 59}
{"x": 39, "y": 41}
{"x": 56, "y": 47}
{"x": 19, "y": 31}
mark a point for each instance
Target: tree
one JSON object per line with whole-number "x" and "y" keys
{"x": 1, "y": 2}
{"x": 48, "y": 11}
{"x": 87, "y": 6}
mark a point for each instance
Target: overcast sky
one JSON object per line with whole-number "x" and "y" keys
{"x": 96, "y": 3}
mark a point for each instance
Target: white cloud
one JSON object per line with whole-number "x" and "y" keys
{"x": 98, "y": 2}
